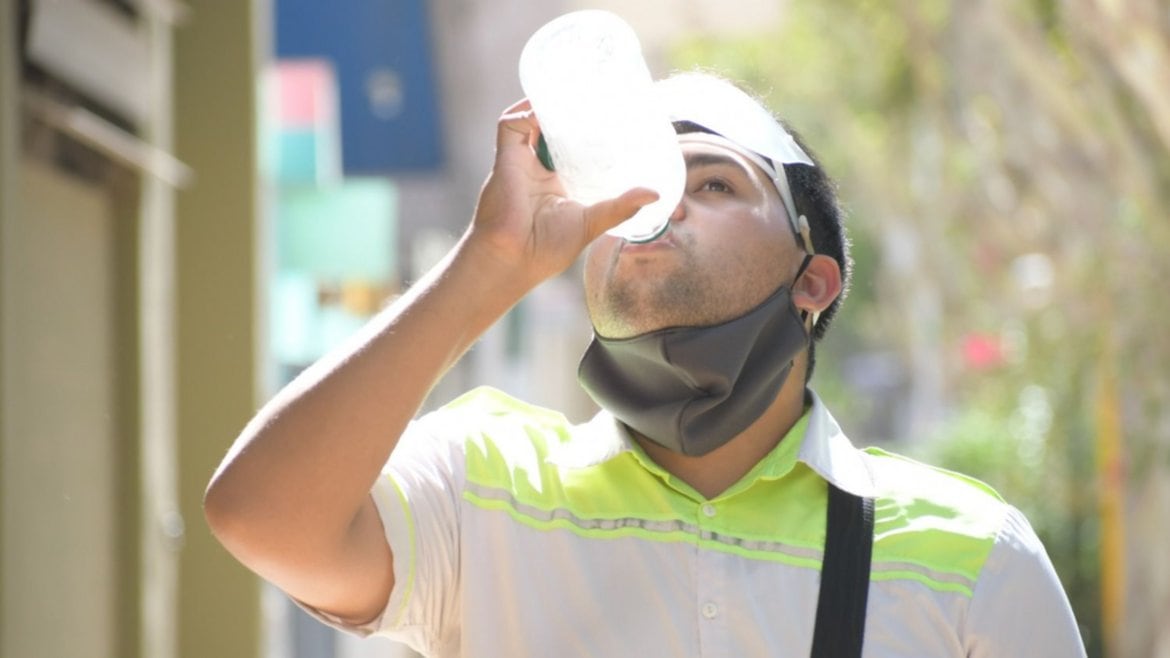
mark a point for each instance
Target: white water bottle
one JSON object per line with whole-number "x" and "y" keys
{"x": 605, "y": 128}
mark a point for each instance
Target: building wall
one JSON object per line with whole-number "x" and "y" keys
{"x": 59, "y": 469}
{"x": 66, "y": 413}
{"x": 127, "y": 357}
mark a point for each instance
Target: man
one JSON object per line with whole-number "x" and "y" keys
{"x": 689, "y": 517}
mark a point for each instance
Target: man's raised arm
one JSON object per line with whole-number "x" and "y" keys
{"x": 291, "y": 498}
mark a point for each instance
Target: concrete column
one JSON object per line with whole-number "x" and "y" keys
{"x": 9, "y": 148}
{"x": 216, "y": 68}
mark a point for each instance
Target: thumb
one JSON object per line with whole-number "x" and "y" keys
{"x": 604, "y": 215}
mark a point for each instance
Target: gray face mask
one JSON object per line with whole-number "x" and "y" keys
{"x": 693, "y": 389}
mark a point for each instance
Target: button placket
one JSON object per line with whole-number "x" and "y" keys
{"x": 712, "y": 575}
{"x": 711, "y": 598}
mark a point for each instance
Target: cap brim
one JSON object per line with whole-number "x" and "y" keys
{"x": 723, "y": 108}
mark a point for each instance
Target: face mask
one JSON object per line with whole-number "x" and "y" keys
{"x": 693, "y": 389}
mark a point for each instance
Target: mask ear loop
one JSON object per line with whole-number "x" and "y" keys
{"x": 802, "y": 229}
{"x": 799, "y": 273}
{"x": 806, "y": 237}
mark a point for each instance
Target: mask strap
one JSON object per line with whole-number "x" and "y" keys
{"x": 799, "y": 222}
{"x": 799, "y": 273}
{"x": 803, "y": 266}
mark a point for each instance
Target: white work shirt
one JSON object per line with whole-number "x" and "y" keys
{"x": 515, "y": 533}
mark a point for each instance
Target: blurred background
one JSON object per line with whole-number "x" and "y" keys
{"x": 198, "y": 199}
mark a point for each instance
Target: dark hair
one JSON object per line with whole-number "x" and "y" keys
{"x": 815, "y": 196}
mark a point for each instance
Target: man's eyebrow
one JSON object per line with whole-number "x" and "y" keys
{"x": 707, "y": 159}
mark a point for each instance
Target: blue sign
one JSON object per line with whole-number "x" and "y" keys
{"x": 381, "y": 52}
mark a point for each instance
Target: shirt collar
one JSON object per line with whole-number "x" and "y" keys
{"x": 823, "y": 447}
{"x": 829, "y": 452}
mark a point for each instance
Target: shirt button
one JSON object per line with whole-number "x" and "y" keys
{"x": 709, "y": 510}
{"x": 710, "y": 610}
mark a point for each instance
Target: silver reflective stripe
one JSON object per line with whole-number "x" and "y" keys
{"x": 562, "y": 515}
{"x": 936, "y": 576}
{"x": 648, "y": 525}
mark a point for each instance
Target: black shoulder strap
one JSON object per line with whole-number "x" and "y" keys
{"x": 840, "y": 626}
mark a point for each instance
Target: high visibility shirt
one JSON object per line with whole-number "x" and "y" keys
{"x": 517, "y": 533}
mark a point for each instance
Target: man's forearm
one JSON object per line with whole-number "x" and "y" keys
{"x": 303, "y": 467}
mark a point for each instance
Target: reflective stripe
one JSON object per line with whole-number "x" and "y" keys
{"x": 675, "y": 530}
{"x": 943, "y": 582}
{"x": 680, "y": 531}
{"x": 932, "y": 526}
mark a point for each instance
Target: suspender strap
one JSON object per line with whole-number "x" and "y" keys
{"x": 840, "y": 625}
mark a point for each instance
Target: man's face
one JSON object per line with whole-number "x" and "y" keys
{"x": 728, "y": 247}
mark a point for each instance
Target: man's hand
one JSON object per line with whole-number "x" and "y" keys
{"x": 523, "y": 217}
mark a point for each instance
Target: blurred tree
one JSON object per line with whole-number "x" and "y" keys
{"x": 1007, "y": 165}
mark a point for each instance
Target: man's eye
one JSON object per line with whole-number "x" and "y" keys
{"x": 715, "y": 185}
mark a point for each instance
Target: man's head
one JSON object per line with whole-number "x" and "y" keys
{"x": 735, "y": 237}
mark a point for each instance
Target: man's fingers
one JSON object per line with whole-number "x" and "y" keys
{"x": 517, "y": 125}
{"x": 604, "y": 215}
{"x": 521, "y": 105}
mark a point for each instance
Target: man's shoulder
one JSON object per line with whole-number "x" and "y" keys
{"x": 503, "y": 436}
{"x": 938, "y": 524}
{"x": 489, "y": 414}
{"x": 897, "y": 475}
{"x": 487, "y": 402}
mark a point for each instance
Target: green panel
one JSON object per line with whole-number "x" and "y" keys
{"x": 298, "y": 160}
{"x": 341, "y": 232}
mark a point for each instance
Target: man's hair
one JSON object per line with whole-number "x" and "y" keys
{"x": 815, "y": 196}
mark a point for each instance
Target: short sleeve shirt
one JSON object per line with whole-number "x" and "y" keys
{"x": 517, "y": 533}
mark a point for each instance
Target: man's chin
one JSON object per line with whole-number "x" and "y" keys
{"x": 633, "y": 306}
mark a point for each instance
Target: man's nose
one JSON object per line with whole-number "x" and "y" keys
{"x": 680, "y": 211}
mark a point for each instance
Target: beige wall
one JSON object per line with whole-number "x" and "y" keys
{"x": 87, "y": 460}
{"x": 61, "y": 404}
{"x": 59, "y": 467}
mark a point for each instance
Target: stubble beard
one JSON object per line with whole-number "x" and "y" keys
{"x": 634, "y": 306}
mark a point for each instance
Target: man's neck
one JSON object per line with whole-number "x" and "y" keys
{"x": 715, "y": 472}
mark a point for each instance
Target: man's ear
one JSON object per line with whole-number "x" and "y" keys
{"x": 818, "y": 286}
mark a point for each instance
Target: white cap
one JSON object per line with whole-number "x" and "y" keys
{"x": 726, "y": 110}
